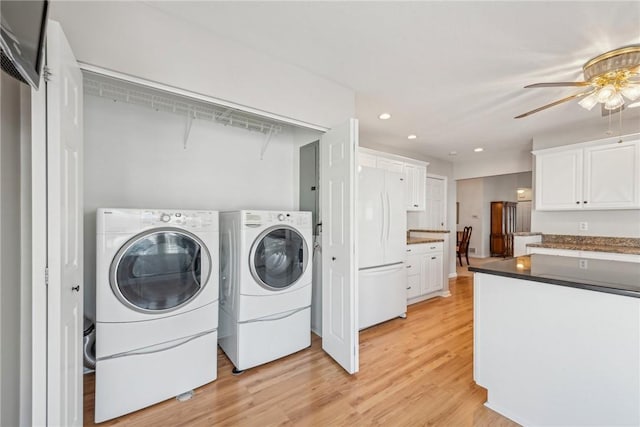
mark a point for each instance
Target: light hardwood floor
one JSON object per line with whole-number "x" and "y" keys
{"x": 415, "y": 371}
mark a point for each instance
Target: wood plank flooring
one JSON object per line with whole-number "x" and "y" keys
{"x": 413, "y": 372}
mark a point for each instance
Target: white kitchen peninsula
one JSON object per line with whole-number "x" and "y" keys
{"x": 557, "y": 340}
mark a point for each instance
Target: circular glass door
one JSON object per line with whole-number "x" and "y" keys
{"x": 160, "y": 270}
{"x": 278, "y": 257}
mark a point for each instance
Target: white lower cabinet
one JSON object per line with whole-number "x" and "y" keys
{"x": 425, "y": 274}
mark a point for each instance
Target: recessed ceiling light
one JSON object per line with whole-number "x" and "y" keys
{"x": 479, "y": 149}
{"x": 453, "y": 153}
{"x": 412, "y": 136}
{"x": 384, "y": 116}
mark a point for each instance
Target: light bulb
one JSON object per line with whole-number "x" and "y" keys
{"x": 588, "y": 102}
{"x": 631, "y": 92}
{"x": 605, "y": 93}
{"x": 616, "y": 101}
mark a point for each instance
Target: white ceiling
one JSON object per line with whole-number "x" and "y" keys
{"x": 450, "y": 72}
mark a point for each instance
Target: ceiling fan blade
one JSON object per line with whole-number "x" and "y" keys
{"x": 553, "y": 104}
{"x": 556, "y": 84}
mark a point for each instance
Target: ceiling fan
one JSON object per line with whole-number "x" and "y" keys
{"x": 608, "y": 79}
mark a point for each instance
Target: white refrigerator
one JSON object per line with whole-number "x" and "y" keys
{"x": 382, "y": 228}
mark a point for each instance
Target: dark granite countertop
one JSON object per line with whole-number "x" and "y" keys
{"x": 613, "y": 277}
{"x": 527, "y": 233}
{"x": 418, "y": 240}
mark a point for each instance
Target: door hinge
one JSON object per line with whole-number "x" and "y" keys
{"x": 46, "y": 276}
{"x": 46, "y": 74}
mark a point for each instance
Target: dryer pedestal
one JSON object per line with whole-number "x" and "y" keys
{"x": 255, "y": 342}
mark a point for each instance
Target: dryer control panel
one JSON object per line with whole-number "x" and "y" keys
{"x": 260, "y": 218}
{"x": 186, "y": 219}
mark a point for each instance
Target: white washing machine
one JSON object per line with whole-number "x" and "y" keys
{"x": 265, "y": 285}
{"x": 156, "y": 306}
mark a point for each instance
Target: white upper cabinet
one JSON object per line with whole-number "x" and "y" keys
{"x": 612, "y": 176}
{"x": 416, "y": 177}
{"x": 414, "y": 171}
{"x": 591, "y": 176}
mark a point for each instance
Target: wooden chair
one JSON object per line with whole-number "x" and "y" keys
{"x": 463, "y": 245}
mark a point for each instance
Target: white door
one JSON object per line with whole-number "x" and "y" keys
{"x": 436, "y": 202}
{"x": 339, "y": 279}
{"x": 61, "y": 153}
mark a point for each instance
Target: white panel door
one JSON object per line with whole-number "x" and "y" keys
{"x": 559, "y": 180}
{"x": 64, "y": 232}
{"x": 395, "y": 246}
{"x": 612, "y": 176}
{"x": 339, "y": 279}
{"x": 435, "y": 202}
{"x": 371, "y": 216}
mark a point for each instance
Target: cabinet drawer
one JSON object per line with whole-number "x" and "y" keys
{"x": 424, "y": 248}
{"x": 413, "y": 286}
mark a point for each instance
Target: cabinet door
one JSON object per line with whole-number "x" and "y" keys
{"x": 612, "y": 176}
{"x": 559, "y": 180}
{"x": 433, "y": 276}
{"x": 413, "y": 286}
{"x": 366, "y": 159}
{"x": 416, "y": 177}
{"x": 390, "y": 165}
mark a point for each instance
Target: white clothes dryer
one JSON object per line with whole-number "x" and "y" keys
{"x": 265, "y": 285}
{"x": 156, "y": 306}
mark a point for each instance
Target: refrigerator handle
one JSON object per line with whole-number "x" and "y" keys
{"x": 383, "y": 219}
{"x": 388, "y": 216}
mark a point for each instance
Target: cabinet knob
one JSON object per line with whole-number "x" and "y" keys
{"x": 415, "y": 206}
{"x": 333, "y": 258}
{"x": 408, "y": 287}
{"x": 433, "y": 257}
{"x": 585, "y": 202}
{"x": 76, "y": 288}
{"x": 577, "y": 203}
{"x": 408, "y": 250}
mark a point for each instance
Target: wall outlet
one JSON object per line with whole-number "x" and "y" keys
{"x": 584, "y": 226}
{"x": 583, "y": 264}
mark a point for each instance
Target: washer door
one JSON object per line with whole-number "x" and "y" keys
{"x": 160, "y": 270}
{"x": 278, "y": 258}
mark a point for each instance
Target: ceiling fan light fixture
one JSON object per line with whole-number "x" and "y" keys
{"x": 605, "y": 93}
{"x": 616, "y": 101}
{"x": 631, "y": 92}
{"x": 589, "y": 102}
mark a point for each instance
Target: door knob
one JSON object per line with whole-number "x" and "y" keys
{"x": 76, "y": 288}
{"x": 333, "y": 258}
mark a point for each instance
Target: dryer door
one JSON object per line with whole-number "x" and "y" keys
{"x": 160, "y": 270}
{"x": 278, "y": 258}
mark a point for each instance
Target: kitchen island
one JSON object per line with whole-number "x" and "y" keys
{"x": 557, "y": 339}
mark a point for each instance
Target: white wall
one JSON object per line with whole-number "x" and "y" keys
{"x": 138, "y": 39}
{"x": 134, "y": 158}
{"x": 9, "y": 251}
{"x": 470, "y": 194}
{"x": 490, "y": 163}
{"x": 613, "y": 223}
{"x": 437, "y": 167}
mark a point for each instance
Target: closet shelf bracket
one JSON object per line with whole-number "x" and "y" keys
{"x": 187, "y": 131}
{"x": 267, "y": 140}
